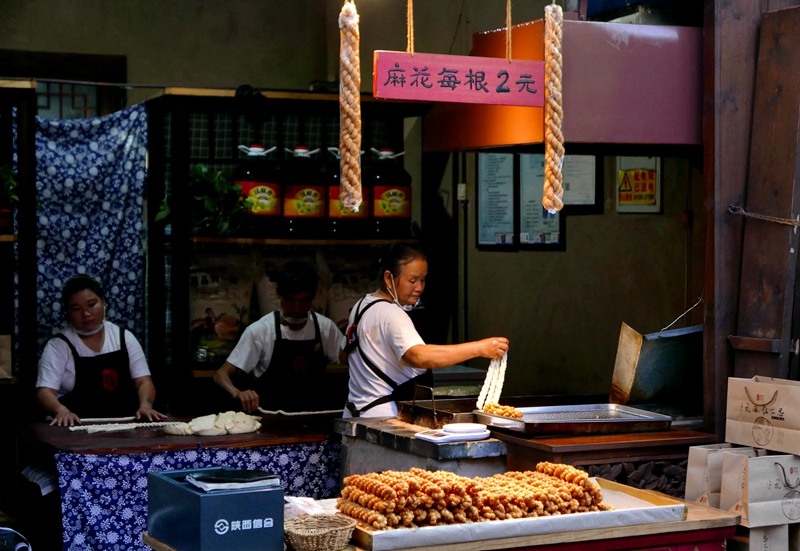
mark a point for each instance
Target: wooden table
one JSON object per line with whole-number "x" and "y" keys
{"x": 600, "y": 448}
{"x": 705, "y": 529}
{"x": 103, "y": 476}
{"x": 144, "y": 440}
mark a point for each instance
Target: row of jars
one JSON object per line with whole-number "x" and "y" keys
{"x": 299, "y": 196}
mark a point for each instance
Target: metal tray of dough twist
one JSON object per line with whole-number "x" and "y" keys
{"x": 580, "y": 419}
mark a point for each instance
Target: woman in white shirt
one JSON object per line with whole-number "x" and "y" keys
{"x": 93, "y": 368}
{"x": 385, "y": 351}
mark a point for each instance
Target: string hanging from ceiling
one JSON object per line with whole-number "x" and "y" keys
{"x": 410, "y": 27}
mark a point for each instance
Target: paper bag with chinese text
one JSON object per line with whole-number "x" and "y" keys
{"x": 704, "y": 472}
{"x": 763, "y": 490}
{"x": 764, "y": 412}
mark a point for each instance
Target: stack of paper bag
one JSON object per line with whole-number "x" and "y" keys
{"x": 704, "y": 471}
{"x": 763, "y": 490}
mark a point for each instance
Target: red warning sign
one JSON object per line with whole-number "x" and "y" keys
{"x": 637, "y": 186}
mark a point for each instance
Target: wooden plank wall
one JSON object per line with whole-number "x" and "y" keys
{"x": 762, "y": 345}
{"x": 730, "y": 49}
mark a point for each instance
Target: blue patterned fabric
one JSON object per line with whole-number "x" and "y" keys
{"x": 90, "y": 178}
{"x": 104, "y": 497}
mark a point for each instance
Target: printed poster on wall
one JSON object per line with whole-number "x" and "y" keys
{"x": 537, "y": 226}
{"x": 580, "y": 179}
{"x": 495, "y": 199}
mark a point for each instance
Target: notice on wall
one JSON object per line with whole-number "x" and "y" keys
{"x": 638, "y": 184}
{"x": 457, "y": 79}
{"x": 495, "y": 199}
{"x": 579, "y": 179}
{"x": 537, "y": 225}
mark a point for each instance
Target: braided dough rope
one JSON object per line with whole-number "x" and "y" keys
{"x": 553, "y": 112}
{"x": 297, "y": 413}
{"x": 349, "y": 107}
{"x": 493, "y": 384}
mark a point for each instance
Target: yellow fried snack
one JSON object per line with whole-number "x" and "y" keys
{"x": 417, "y": 497}
{"x": 505, "y": 411}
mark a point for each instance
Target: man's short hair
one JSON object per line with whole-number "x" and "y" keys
{"x": 295, "y": 277}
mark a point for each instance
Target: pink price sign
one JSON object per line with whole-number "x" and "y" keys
{"x": 457, "y": 79}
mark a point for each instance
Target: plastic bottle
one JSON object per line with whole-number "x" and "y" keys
{"x": 303, "y": 195}
{"x": 390, "y": 186}
{"x": 261, "y": 188}
{"x": 343, "y": 223}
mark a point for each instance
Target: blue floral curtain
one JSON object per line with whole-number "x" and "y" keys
{"x": 90, "y": 179}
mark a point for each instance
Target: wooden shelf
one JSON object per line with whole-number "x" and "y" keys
{"x": 7, "y": 238}
{"x": 290, "y": 95}
{"x": 283, "y": 242}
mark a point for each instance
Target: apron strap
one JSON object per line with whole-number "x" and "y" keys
{"x": 353, "y": 342}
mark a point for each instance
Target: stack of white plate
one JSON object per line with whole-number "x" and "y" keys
{"x": 455, "y": 432}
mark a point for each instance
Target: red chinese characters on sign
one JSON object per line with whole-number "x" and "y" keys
{"x": 637, "y": 187}
{"x": 457, "y": 79}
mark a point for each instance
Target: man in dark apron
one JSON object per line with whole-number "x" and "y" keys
{"x": 280, "y": 361}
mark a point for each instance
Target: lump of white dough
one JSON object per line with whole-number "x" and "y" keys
{"x": 229, "y": 422}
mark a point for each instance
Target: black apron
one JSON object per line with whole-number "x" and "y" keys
{"x": 103, "y": 384}
{"x": 401, "y": 391}
{"x": 295, "y": 376}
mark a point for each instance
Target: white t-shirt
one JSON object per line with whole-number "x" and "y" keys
{"x": 253, "y": 352}
{"x": 57, "y": 366}
{"x": 385, "y": 333}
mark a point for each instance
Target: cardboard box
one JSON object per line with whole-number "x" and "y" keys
{"x": 190, "y": 519}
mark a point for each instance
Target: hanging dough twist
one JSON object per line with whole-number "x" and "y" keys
{"x": 349, "y": 107}
{"x": 493, "y": 384}
{"x": 553, "y": 112}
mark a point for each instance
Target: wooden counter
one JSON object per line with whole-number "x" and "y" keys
{"x": 141, "y": 440}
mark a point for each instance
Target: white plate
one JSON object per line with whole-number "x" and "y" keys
{"x": 464, "y": 428}
{"x": 441, "y": 436}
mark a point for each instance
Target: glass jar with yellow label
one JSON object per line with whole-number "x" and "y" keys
{"x": 342, "y": 222}
{"x": 261, "y": 188}
{"x": 389, "y": 186}
{"x": 304, "y": 192}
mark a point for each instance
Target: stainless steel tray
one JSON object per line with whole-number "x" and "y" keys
{"x": 581, "y": 419}
{"x": 434, "y": 414}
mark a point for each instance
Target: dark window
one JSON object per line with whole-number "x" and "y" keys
{"x": 69, "y": 85}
